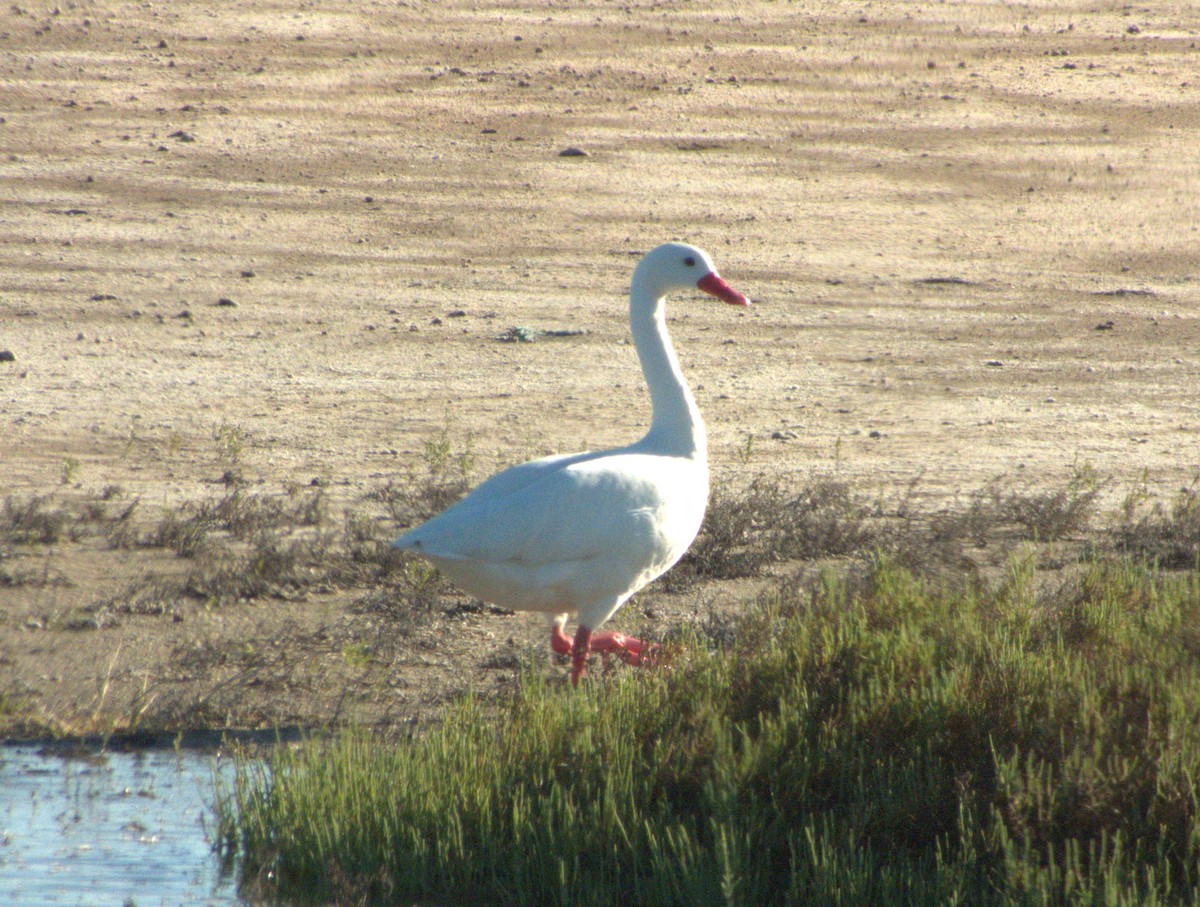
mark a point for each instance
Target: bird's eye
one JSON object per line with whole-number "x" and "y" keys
{"x": 690, "y": 262}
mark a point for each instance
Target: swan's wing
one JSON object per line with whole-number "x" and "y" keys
{"x": 506, "y": 483}
{"x": 515, "y": 478}
{"x": 578, "y": 509}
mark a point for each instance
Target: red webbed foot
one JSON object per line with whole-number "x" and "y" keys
{"x": 630, "y": 650}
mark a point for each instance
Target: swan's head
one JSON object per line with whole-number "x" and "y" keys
{"x": 678, "y": 266}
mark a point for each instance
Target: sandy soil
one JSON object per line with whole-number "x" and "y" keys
{"x": 970, "y": 229}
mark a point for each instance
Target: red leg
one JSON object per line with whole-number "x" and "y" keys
{"x": 579, "y": 655}
{"x": 630, "y": 650}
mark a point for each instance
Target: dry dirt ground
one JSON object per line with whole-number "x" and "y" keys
{"x": 970, "y": 228}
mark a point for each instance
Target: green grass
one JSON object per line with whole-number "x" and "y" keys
{"x": 870, "y": 738}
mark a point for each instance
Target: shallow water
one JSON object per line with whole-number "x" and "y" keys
{"x": 119, "y": 829}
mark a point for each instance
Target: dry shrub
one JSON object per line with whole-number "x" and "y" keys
{"x": 33, "y": 521}
{"x": 1168, "y": 536}
{"x": 48, "y": 520}
{"x": 271, "y": 564}
{"x": 1053, "y": 515}
{"x": 743, "y": 532}
{"x": 444, "y": 476}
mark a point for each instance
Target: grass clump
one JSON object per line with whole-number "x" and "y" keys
{"x": 443, "y": 476}
{"x": 870, "y": 738}
{"x": 1167, "y": 535}
{"x": 767, "y": 523}
{"x": 52, "y": 519}
{"x": 1056, "y": 514}
{"x": 238, "y": 514}
{"x": 34, "y": 520}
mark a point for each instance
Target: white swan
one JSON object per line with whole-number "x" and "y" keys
{"x": 583, "y": 532}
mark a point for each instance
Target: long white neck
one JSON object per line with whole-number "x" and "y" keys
{"x": 676, "y": 427}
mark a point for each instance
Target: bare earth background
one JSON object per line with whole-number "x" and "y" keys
{"x": 970, "y": 229}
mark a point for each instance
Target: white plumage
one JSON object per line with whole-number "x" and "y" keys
{"x": 581, "y": 533}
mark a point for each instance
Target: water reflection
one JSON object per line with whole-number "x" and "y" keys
{"x": 121, "y": 828}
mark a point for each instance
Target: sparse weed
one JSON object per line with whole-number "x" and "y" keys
{"x": 70, "y": 468}
{"x": 150, "y": 595}
{"x": 369, "y": 556}
{"x": 238, "y": 513}
{"x": 269, "y": 566}
{"x": 1137, "y": 497}
{"x": 1050, "y": 516}
{"x": 108, "y": 715}
{"x": 953, "y": 540}
{"x": 130, "y": 440}
{"x": 1169, "y": 536}
{"x": 311, "y": 508}
{"x": 356, "y": 655}
{"x": 34, "y": 521}
{"x": 413, "y": 589}
{"x": 766, "y": 524}
{"x": 182, "y": 534}
{"x": 825, "y": 519}
{"x": 50, "y": 519}
{"x": 441, "y": 458}
{"x": 32, "y": 578}
{"x": 746, "y": 451}
{"x": 444, "y": 477}
{"x": 943, "y": 542}
{"x": 231, "y": 442}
